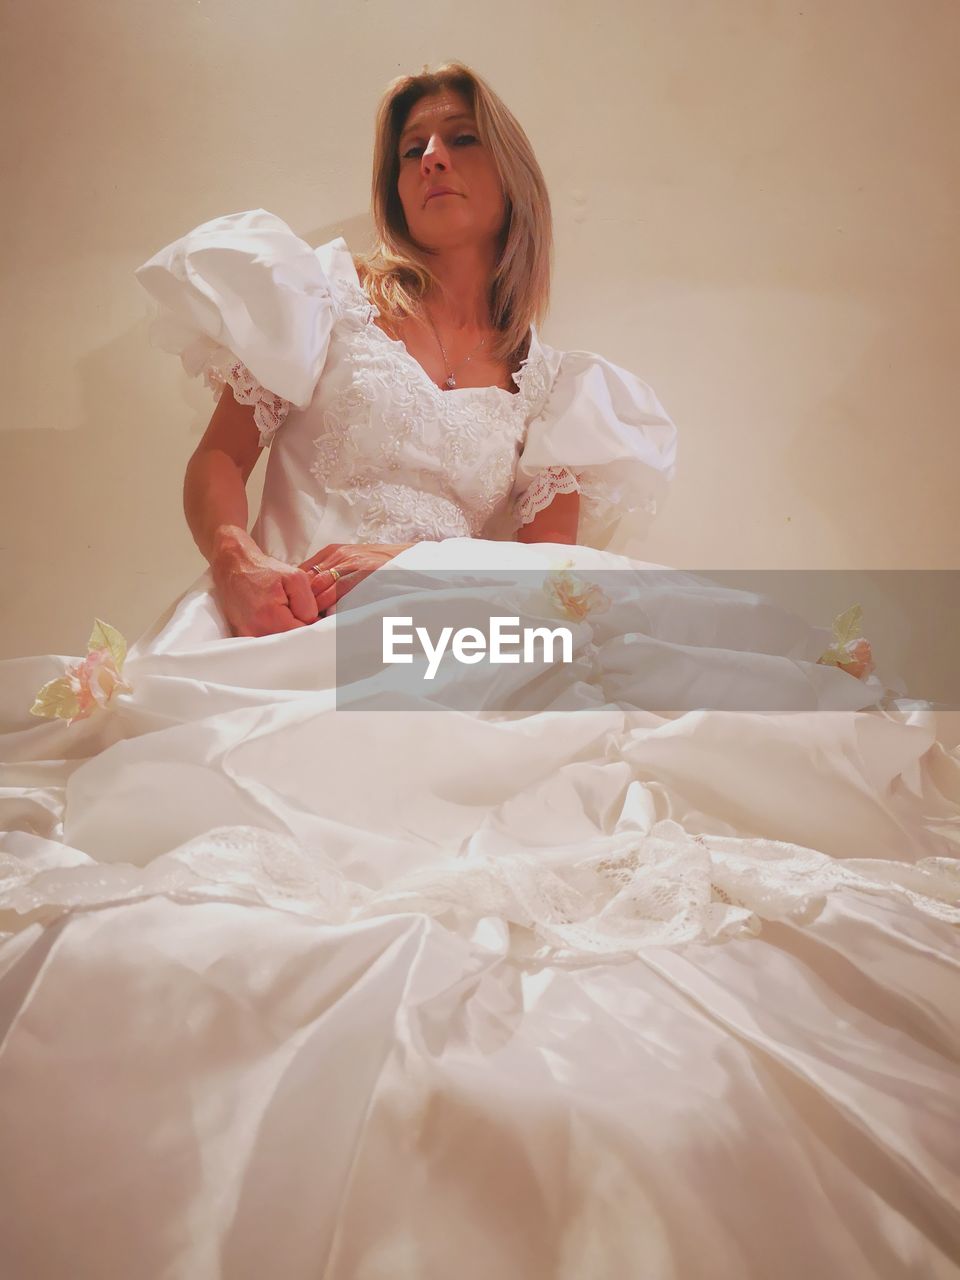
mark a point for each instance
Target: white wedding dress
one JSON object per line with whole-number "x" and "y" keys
{"x": 299, "y": 980}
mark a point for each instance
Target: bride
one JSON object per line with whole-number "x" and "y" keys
{"x": 311, "y": 968}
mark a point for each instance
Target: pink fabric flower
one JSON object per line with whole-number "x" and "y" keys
{"x": 89, "y": 683}
{"x": 860, "y": 663}
{"x": 574, "y": 599}
{"x": 94, "y": 681}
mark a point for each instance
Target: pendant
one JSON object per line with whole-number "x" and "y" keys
{"x": 451, "y": 381}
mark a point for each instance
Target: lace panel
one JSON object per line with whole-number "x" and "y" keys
{"x": 532, "y": 379}
{"x": 390, "y": 413}
{"x": 403, "y": 513}
{"x": 270, "y": 410}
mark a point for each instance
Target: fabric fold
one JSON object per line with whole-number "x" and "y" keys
{"x": 604, "y": 434}
{"x": 245, "y": 288}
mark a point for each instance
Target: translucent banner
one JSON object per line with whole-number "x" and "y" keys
{"x": 665, "y": 640}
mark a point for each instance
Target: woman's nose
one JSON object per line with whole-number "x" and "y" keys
{"x": 433, "y": 153}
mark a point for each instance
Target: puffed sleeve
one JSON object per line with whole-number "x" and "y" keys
{"x": 603, "y": 433}
{"x": 243, "y": 300}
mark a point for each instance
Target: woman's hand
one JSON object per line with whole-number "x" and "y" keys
{"x": 354, "y": 560}
{"x": 260, "y": 595}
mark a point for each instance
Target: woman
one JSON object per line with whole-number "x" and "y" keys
{"x": 500, "y": 990}
{"x": 455, "y": 371}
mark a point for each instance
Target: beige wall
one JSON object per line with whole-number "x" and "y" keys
{"x": 755, "y": 211}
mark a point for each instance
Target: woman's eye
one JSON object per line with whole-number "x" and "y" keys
{"x": 468, "y": 137}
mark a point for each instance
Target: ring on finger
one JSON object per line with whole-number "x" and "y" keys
{"x": 317, "y": 570}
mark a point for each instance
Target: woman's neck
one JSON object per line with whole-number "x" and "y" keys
{"x": 460, "y": 301}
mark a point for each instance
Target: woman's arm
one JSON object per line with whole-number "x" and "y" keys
{"x": 557, "y": 522}
{"x": 258, "y": 594}
{"x": 214, "y": 485}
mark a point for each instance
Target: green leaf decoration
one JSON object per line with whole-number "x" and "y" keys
{"x": 847, "y": 631}
{"x": 105, "y": 636}
{"x": 846, "y": 626}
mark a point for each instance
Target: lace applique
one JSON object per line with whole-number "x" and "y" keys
{"x": 471, "y": 437}
{"x": 532, "y": 379}
{"x": 270, "y": 410}
{"x": 660, "y": 887}
{"x": 403, "y": 513}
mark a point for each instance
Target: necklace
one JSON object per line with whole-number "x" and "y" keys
{"x": 450, "y": 379}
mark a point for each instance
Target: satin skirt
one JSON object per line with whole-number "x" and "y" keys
{"x": 577, "y": 988}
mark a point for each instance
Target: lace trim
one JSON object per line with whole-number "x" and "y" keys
{"x": 531, "y": 378}
{"x": 270, "y": 410}
{"x": 543, "y": 489}
{"x": 599, "y": 500}
{"x": 664, "y": 886}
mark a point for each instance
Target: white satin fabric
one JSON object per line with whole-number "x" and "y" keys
{"x": 297, "y": 990}
{"x": 293, "y": 984}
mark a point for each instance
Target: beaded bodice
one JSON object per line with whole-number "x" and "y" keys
{"x": 410, "y": 460}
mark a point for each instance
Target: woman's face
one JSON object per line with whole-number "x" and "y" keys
{"x": 439, "y": 147}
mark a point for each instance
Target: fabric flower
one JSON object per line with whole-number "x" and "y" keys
{"x": 574, "y": 599}
{"x": 850, "y": 651}
{"x": 89, "y": 683}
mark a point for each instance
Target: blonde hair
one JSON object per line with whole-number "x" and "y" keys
{"x": 396, "y": 273}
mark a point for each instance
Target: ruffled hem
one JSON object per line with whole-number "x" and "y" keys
{"x": 657, "y": 888}
{"x": 602, "y": 503}
{"x": 544, "y": 487}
